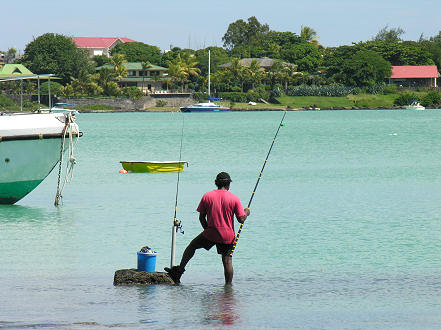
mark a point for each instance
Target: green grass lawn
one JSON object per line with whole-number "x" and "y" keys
{"x": 329, "y": 102}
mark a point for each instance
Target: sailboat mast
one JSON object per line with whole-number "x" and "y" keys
{"x": 209, "y": 62}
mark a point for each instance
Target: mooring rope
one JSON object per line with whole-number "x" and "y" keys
{"x": 257, "y": 183}
{"x": 69, "y": 120}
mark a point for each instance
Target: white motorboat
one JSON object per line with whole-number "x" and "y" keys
{"x": 204, "y": 107}
{"x": 30, "y": 147}
{"x": 64, "y": 108}
{"x": 415, "y": 105}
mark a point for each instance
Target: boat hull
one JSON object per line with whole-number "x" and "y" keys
{"x": 190, "y": 109}
{"x": 24, "y": 165}
{"x": 153, "y": 167}
{"x": 30, "y": 146}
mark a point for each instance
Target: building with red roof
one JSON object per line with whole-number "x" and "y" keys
{"x": 414, "y": 76}
{"x": 99, "y": 46}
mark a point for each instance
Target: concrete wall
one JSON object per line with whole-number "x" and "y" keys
{"x": 123, "y": 104}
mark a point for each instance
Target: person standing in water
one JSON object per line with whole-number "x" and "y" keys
{"x": 216, "y": 209}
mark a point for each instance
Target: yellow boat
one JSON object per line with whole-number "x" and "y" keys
{"x": 153, "y": 167}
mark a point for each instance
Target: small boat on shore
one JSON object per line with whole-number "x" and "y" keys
{"x": 153, "y": 166}
{"x": 415, "y": 105}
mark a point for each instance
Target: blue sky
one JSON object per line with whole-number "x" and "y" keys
{"x": 202, "y": 23}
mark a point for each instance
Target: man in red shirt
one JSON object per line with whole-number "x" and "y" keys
{"x": 216, "y": 214}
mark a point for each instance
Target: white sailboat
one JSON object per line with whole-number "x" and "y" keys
{"x": 206, "y": 106}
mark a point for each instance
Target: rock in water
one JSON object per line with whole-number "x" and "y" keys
{"x": 133, "y": 277}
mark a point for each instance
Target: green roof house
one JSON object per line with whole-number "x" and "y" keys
{"x": 14, "y": 70}
{"x": 149, "y": 80}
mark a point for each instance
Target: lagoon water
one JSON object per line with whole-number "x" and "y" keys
{"x": 345, "y": 230}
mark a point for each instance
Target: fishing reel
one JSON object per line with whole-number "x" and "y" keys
{"x": 178, "y": 225}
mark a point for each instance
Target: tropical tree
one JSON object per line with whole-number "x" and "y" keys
{"x": 106, "y": 78}
{"x": 182, "y": 69}
{"x": 101, "y": 60}
{"x": 138, "y": 52}
{"x": 145, "y": 65}
{"x": 85, "y": 85}
{"x": 117, "y": 61}
{"x": 237, "y": 72}
{"x": 389, "y": 35}
{"x": 308, "y": 34}
{"x": 242, "y": 33}
{"x": 58, "y": 54}
{"x": 254, "y": 74}
{"x": 305, "y": 55}
{"x": 365, "y": 68}
{"x": 10, "y": 55}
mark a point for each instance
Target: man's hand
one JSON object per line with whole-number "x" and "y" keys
{"x": 247, "y": 211}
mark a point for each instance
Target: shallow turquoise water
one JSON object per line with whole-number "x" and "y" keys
{"x": 344, "y": 232}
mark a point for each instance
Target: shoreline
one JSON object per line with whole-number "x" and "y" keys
{"x": 243, "y": 110}
{"x": 248, "y": 109}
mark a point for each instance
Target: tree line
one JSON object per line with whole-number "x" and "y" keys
{"x": 299, "y": 60}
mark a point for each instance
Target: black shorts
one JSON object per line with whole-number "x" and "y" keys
{"x": 202, "y": 242}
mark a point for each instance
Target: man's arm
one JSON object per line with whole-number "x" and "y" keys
{"x": 203, "y": 220}
{"x": 243, "y": 218}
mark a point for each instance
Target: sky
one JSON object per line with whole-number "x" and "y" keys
{"x": 201, "y": 23}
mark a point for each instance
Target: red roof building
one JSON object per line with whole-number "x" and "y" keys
{"x": 414, "y": 76}
{"x": 99, "y": 46}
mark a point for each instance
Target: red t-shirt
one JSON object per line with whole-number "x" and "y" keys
{"x": 220, "y": 206}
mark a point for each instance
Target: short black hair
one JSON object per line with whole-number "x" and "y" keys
{"x": 222, "y": 180}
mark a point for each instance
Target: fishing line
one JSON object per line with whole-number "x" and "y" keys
{"x": 257, "y": 183}
{"x": 176, "y": 221}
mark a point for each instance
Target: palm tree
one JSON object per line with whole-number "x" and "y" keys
{"x": 145, "y": 65}
{"x": 176, "y": 72}
{"x": 255, "y": 73}
{"x": 308, "y": 34}
{"x": 118, "y": 61}
{"x": 190, "y": 66}
{"x": 182, "y": 68}
{"x": 237, "y": 71}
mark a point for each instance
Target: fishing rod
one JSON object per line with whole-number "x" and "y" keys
{"x": 257, "y": 183}
{"x": 176, "y": 223}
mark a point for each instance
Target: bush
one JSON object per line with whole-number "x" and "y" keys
{"x": 199, "y": 96}
{"x": 95, "y": 107}
{"x": 277, "y": 90}
{"x": 132, "y": 92}
{"x": 234, "y": 96}
{"x": 55, "y": 88}
{"x": 161, "y": 103}
{"x": 252, "y": 96}
{"x": 431, "y": 99}
{"x": 6, "y": 102}
{"x": 405, "y": 98}
{"x": 376, "y": 89}
{"x": 331, "y": 90}
{"x": 390, "y": 89}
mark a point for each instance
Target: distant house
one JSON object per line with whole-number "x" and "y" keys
{"x": 149, "y": 80}
{"x": 99, "y": 46}
{"x": 414, "y": 76}
{"x": 264, "y": 62}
